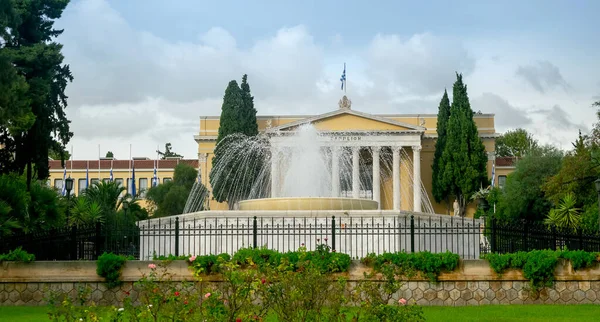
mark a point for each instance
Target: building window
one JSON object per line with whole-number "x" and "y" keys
{"x": 165, "y": 180}
{"x": 501, "y": 181}
{"x": 143, "y": 187}
{"x": 106, "y": 180}
{"x": 94, "y": 182}
{"x": 58, "y": 184}
{"x": 129, "y": 186}
{"x": 119, "y": 183}
{"x": 81, "y": 185}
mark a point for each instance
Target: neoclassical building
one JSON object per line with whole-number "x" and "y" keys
{"x": 402, "y": 145}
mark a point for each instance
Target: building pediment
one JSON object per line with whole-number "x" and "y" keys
{"x": 349, "y": 120}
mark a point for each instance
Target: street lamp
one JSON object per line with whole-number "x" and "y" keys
{"x": 68, "y": 187}
{"x": 597, "y": 182}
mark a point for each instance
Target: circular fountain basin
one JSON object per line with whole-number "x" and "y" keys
{"x": 308, "y": 203}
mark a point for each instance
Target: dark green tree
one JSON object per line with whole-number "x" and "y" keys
{"x": 30, "y": 48}
{"x": 515, "y": 143}
{"x": 523, "y": 196}
{"x": 169, "y": 198}
{"x": 232, "y": 177}
{"x": 109, "y": 154}
{"x": 440, "y": 191}
{"x": 464, "y": 159}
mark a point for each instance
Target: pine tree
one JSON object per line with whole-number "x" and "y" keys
{"x": 464, "y": 157}
{"x": 38, "y": 59}
{"x": 232, "y": 177}
{"x": 440, "y": 192}
{"x": 248, "y": 112}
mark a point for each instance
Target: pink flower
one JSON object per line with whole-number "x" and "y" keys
{"x": 151, "y": 266}
{"x": 302, "y": 244}
{"x": 402, "y": 301}
{"x": 207, "y": 295}
{"x": 193, "y": 258}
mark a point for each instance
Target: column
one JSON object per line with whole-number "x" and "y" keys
{"x": 274, "y": 172}
{"x": 417, "y": 178}
{"x": 355, "y": 172}
{"x": 376, "y": 174}
{"x": 396, "y": 176}
{"x": 335, "y": 171}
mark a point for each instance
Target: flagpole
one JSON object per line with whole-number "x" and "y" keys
{"x": 99, "y": 164}
{"x": 345, "y": 80}
{"x": 72, "y": 158}
{"x": 129, "y": 179}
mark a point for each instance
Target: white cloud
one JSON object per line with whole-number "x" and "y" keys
{"x": 134, "y": 87}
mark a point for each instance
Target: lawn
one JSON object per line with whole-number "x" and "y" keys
{"x": 471, "y": 313}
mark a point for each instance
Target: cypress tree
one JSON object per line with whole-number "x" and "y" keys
{"x": 464, "y": 157}
{"x": 440, "y": 191}
{"x": 248, "y": 112}
{"x": 234, "y": 173}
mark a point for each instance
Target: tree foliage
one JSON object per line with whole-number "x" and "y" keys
{"x": 27, "y": 44}
{"x": 109, "y": 154}
{"x": 169, "y": 198}
{"x": 439, "y": 190}
{"x": 232, "y": 181}
{"x": 522, "y": 196}
{"x": 515, "y": 143}
{"x": 26, "y": 211}
{"x": 464, "y": 159}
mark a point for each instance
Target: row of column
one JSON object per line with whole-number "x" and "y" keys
{"x": 335, "y": 170}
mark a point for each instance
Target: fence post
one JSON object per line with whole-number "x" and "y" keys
{"x": 493, "y": 236}
{"x": 412, "y": 233}
{"x": 333, "y": 233}
{"x": 73, "y": 255}
{"x": 98, "y": 239}
{"x": 176, "y": 236}
{"x": 254, "y": 233}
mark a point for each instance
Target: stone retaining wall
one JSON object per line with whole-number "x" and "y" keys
{"x": 473, "y": 283}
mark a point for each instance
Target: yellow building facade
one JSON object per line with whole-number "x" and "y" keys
{"x": 403, "y": 137}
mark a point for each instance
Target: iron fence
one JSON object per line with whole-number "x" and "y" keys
{"x": 83, "y": 242}
{"x": 356, "y": 236}
{"x": 510, "y": 237}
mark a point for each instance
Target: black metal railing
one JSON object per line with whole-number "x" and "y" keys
{"x": 83, "y": 242}
{"x": 510, "y": 237}
{"x": 356, "y": 236}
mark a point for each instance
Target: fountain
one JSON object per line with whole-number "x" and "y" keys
{"x": 304, "y": 184}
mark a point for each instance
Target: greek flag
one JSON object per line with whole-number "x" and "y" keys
{"x": 155, "y": 178}
{"x": 343, "y": 78}
{"x": 111, "y": 173}
{"x": 64, "y": 182}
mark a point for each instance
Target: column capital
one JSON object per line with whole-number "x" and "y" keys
{"x": 417, "y": 148}
{"x": 202, "y": 157}
{"x": 375, "y": 148}
{"x": 396, "y": 148}
{"x": 356, "y": 148}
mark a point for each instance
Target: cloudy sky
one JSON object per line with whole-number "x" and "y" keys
{"x": 146, "y": 70}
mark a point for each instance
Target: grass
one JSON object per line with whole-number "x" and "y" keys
{"x": 495, "y": 313}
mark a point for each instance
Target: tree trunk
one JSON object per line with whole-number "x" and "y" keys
{"x": 461, "y": 205}
{"x": 448, "y": 205}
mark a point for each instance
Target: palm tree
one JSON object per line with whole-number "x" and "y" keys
{"x": 566, "y": 216}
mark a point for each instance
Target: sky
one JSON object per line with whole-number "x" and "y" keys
{"x": 145, "y": 71}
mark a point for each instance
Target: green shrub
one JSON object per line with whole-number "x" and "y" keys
{"x": 109, "y": 266}
{"x": 428, "y": 264}
{"x": 538, "y": 265}
{"x": 17, "y": 255}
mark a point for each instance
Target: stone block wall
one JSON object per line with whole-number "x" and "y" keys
{"x": 473, "y": 283}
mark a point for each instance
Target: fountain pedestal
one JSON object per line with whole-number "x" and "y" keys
{"x": 308, "y": 203}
